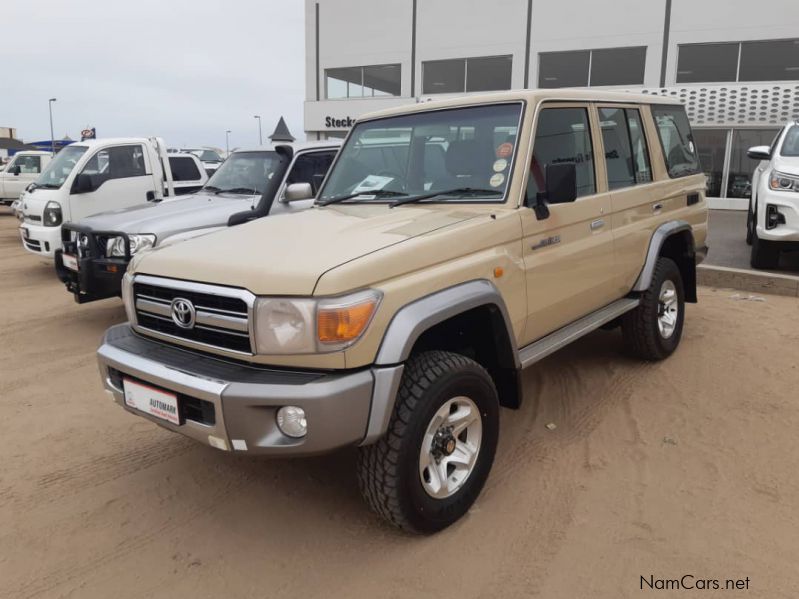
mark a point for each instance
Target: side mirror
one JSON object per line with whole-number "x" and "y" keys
{"x": 297, "y": 192}
{"x": 561, "y": 187}
{"x": 83, "y": 184}
{"x": 15, "y": 170}
{"x": 759, "y": 153}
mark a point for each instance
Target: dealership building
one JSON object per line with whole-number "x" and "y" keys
{"x": 734, "y": 63}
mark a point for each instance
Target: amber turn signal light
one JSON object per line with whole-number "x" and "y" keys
{"x": 345, "y": 322}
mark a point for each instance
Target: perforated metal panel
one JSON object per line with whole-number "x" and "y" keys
{"x": 739, "y": 104}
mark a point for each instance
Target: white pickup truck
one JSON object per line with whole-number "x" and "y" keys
{"x": 23, "y": 169}
{"x": 96, "y": 176}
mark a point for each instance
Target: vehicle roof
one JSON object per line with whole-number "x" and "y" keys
{"x": 110, "y": 140}
{"x": 530, "y": 96}
{"x": 297, "y": 145}
{"x": 31, "y": 152}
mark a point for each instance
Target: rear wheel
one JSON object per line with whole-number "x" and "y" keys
{"x": 653, "y": 330}
{"x": 765, "y": 254}
{"x": 431, "y": 465}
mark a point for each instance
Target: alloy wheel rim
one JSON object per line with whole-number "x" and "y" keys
{"x": 668, "y": 309}
{"x": 450, "y": 447}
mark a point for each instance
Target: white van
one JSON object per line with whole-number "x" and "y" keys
{"x": 23, "y": 170}
{"x": 96, "y": 176}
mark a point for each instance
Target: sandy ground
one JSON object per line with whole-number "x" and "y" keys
{"x": 686, "y": 467}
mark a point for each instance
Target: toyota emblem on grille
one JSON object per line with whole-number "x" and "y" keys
{"x": 183, "y": 313}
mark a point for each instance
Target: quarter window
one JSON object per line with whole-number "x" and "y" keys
{"x": 363, "y": 82}
{"x": 466, "y": 75}
{"x": 676, "y": 140}
{"x": 562, "y": 135}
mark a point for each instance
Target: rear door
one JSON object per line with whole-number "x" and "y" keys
{"x": 122, "y": 177}
{"x": 308, "y": 167}
{"x": 568, "y": 257}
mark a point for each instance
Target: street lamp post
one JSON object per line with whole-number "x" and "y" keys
{"x": 52, "y": 135}
{"x": 260, "y": 135}
{"x": 227, "y": 143}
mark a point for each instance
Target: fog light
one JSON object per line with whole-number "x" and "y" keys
{"x": 291, "y": 421}
{"x": 773, "y": 217}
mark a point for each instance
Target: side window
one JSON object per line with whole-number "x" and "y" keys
{"x": 676, "y": 140}
{"x": 29, "y": 165}
{"x": 626, "y": 154}
{"x": 562, "y": 135}
{"x": 311, "y": 167}
{"x": 120, "y": 162}
{"x": 183, "y": 169}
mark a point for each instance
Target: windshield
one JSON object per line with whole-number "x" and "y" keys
{"x": 790, "y": 147}
{"x": 55, "y": 173}
{"x": 424, "y": 153}
{"x": 244, "y": 173}
{"x": 207, "y": 155}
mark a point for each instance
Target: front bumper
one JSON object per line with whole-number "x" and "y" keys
{"x": 95, "y": 279}
{"x": 230, "y": 405}
{"x": 40, "y": 240}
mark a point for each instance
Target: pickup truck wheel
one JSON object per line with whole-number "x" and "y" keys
{"x": 431, "y": 465}
{"x": 765, "y": 254}
{"x": 750, "y": 224}
{"x": 653, "y": 330}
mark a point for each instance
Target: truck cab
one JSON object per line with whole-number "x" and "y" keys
{"x": 250, "y": 184}
{"x": 94, "y": 176}
{"x": 23, "y": 170}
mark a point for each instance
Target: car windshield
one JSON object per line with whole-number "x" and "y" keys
{"x": 207, "y": 155}
{"x": 244, "y": 173}
{"x": 790, "y": 147}
{"x": 465, "y": 154}
{"x": 55, "y": 173}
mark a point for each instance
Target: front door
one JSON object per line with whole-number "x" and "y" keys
{"x": 568, "y": 257}
{"x": 26, "y": 170}
{"x": 121, "y": 177}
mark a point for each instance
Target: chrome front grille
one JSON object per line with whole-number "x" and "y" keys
{"x": 221, "y": 315}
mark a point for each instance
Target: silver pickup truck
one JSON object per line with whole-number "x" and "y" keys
{"x": 249, "y": 184}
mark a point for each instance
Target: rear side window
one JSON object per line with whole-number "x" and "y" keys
{"x": 562, "y": 135}
{"x": 626, "y": 154}
{"x": 311, "y": 167}
{"x": 184, "y": 169}
{"x": 677, "y": 141}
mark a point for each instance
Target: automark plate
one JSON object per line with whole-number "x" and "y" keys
{"x": 151, "y": 401}
{"x": 70, "y": 261}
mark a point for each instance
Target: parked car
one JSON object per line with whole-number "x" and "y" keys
{"x": 210, "y": 158}
{"x": 95, "y": 176}
{"x": 772, "y": 223}
{"x": 98, "y": 249}
{"x": 452, "y": 245}
{"x": 20, "y": 172}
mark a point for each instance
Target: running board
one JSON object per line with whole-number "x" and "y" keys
{"x": 539, "y": 350}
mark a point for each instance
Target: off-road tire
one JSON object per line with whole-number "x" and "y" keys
{"x": 640, "y": 331}
{"x": 765, "y": 254}
{"x": 388, "y": 470}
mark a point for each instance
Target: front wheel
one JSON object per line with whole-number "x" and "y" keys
{"x": 428, "y": 469}
{"x": 653, "y": 330}
{"x": 765, "y": 254}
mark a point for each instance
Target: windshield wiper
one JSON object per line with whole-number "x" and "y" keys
{"x": 378, "y": 193}
{"x": 211, "y": 188}
{"x": 47, "y": 186}
{"x": 447, "y": 192}
{"x": 247, "y": 190}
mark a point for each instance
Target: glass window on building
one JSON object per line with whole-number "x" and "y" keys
{"x": 773, "y": 60}
{"x": 488, "y": 74}
{"x": 707, "y": 63}
{"x": 618, "y": 66}
{"x": 360, "y": 82}
{"x": 711, "y": 144}
{"x": 563, "y": 69}
{"x": 444, "y": 76}
{"x": 739, "y": 180}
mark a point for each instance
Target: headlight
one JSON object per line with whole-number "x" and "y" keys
{"x": 303, "y": 326}
{"x": 783, "y": 182}
{"x": 115, "y": 246}
{"x": 52, "y": 214}
{"x": 127, "y": 297}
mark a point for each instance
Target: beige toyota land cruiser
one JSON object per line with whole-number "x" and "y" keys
{"x": 452, "y": 244}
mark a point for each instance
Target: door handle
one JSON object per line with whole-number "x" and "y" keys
{"x": 597, "y": 224}
{"x": 657, "y": 207}
{"x": 150, "y": 196}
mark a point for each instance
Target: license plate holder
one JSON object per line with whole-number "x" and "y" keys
{"x": 70, "y": 261}
{"x": 155, "y": 402}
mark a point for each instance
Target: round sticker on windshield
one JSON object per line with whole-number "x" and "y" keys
{"x": 500, "y": 165}
{"x": 505, "y": 150}
{"x": 497, "y": 180}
